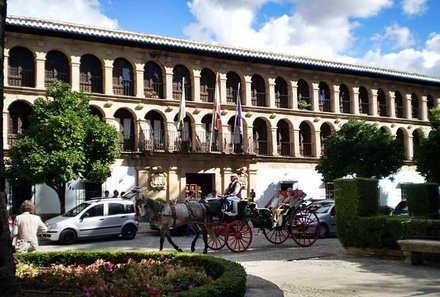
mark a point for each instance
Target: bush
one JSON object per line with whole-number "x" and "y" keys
{"x": 229, "y": 278}
{"x": 421, "y": 229}
{"x": 422, "y": 199}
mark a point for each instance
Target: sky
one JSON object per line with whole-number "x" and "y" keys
{"x": 393, "y": 34}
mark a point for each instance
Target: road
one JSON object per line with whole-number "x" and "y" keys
{"x": 323, "y": 269}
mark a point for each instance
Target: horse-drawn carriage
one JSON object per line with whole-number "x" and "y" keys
{"x": 220, "y": 229}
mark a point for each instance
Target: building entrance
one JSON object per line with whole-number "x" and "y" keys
{"x": 204, "y": 183}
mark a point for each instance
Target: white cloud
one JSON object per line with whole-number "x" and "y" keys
{"x": 414, "y": 7}
{"x": 399, "y": 37}
{"x": 75, "y": 11}
{"x": 426, "y": 60}
{"x": 316, "y": 28}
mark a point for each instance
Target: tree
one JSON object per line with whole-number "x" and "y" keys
{"x": 360, "y": 149}
{"x": 64, "y": 142}
{"x": 427, "y": 155}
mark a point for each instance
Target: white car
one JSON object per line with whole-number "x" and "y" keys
{"x": 326, "y": 212}
{"x": 94, "y": 218}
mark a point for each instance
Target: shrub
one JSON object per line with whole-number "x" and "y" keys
{"x": 232, "y": 283}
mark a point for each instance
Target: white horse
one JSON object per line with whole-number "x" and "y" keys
{"x": 170, "y": 215}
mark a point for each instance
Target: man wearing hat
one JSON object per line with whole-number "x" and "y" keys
{"x": 233, "y": 192}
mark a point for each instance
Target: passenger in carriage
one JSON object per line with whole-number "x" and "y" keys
{"x": 233, "y": 193}
{"x": 282, "y": 206}
{"x": 274, "y": 200}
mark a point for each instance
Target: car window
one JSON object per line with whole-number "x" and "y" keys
{"x": 129, "y": 208}
{"x": 115, "y": 208}
{"x": 321, "y": 207}
{"x": 97, "y": 210}
{"x": 76, "y": 210}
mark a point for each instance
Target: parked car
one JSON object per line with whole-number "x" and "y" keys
{"x": 326, "y": 212}
{"x": 94, "y": 218}
{"x": 401, "y": 209}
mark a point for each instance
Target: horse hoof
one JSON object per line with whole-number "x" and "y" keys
{"x": 205, "y": 252}
{"x": 179, "y": 250}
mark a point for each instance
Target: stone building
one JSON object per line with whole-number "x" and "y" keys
{"x": 289, "y": 105}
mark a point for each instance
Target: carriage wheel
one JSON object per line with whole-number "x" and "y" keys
{"x": 304, "y": 227}
{"x": 218, "y": 239}
{"x": 239, "y": 236}
{"x": 277, "y": 235}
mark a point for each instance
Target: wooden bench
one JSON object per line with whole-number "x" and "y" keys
{"x": 413, "y": 249}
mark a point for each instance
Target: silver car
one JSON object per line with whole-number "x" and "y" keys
{"x": 326, "y": 212}
{"x": 94, "y": 218}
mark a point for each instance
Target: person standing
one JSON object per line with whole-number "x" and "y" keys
{"x": 26, "y": 227}
{"x": 233, "y": 193}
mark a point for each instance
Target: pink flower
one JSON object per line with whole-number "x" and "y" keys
{"x": 154, "y": 292}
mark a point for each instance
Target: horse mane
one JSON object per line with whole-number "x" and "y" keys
{"x": 155, "y": 204}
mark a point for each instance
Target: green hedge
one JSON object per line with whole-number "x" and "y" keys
{"x": 371, "y": 232}
{"x": 421, "y": 229}
{"x": 229, "y": 277}
{"x": 423, "y": 200}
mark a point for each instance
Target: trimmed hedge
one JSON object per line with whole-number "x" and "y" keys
{"x": 421, "y": 229}
{"x": 229, "y": 277}
{"x": 422, "y": 199}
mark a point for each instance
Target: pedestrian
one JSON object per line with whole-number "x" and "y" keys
{"x": 106, "y": 194}
{"x": 115, "y": 194}
{"x": 26, "y": 227}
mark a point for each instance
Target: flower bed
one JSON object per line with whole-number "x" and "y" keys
{"x": 105, "y": 273}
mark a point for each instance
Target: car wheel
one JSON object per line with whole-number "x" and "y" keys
{"x": 128, "y": 232}
{"x": 323, "y": 231}
{"x": 67, "y": 237}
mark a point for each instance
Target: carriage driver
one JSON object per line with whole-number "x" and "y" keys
{"x": 233, "y": 192}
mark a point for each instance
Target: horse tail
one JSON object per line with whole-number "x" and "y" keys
{"x": 210, "y": 231}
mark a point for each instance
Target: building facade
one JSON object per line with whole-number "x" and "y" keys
{"x": 136, "y": 81}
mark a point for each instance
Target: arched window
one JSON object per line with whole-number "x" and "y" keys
{"x": 21, "y": 68}
{"x": 153, "y": 83}
{"x": 207, "y": 85}
{"x": 281, "y": 93}
{"x": 180, "y": 72}
{"x": 232, "y": 81}
{"x": 344, "y": 99}
{"x": 382, "y": 103}
{"x": 90, "y": 74}
{"x": 258, "y": 90}
{"x": 123, "y": 82}
{"x": 364, "y": 102}
{"x": 303, "y": 94}
{"x": 56, "y": 67}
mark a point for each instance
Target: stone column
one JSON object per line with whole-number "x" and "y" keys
{"x": 247, "y": 98}
{"x": 175, "y": 184}
{"x": 139, "y": 92}
{"x": 423, "y": 108}
{"x": 6, "y": 131}
{"x": 271, "y": 91}
{"x": 169, "y": 83}
{"x": 336, "y": 100}
{"x": 293, "y": 104}
{"x": 392, "y": 105}
{"x": 196, "y": 85}
{"x": 6, "y": 68}
{"x": 409, "y": 150}
{"x": 355, "y": 106}
{"x": 317, "y": 143}
{"x": 274, "y": 146}
{"x": 222, "y": 88}
{"x": 407, "y": 106}
{"x": 75, "y": 62}
{"x": 315, "y": 97}
{"x": 373, "y": 103}
{"x": 40, "y": 59}
{"x": 249, "y": 143}
{"x": 296, "y": 143}
{"x": 108, "y": 77}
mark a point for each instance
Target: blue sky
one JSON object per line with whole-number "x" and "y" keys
{"x": 394, "y": 34}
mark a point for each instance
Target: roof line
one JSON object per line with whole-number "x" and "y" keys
{"x": 212, "y": 48}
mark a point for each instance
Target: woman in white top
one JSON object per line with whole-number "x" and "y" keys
{"x": 26, "y": 227}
